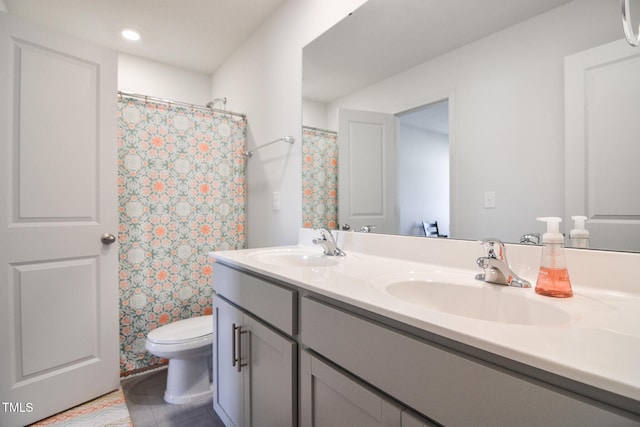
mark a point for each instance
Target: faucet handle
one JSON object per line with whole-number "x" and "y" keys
{"x": 530, "y": 239}
{"x": 328, "y": 243}
{"x": 494, "y": 248}
{"x": 325, "y": 233}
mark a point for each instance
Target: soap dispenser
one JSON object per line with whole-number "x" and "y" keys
{"x": 579, "y": 235}
{"x": 553, "y": 277}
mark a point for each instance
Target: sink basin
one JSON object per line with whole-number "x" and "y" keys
{"x": 476, "y": 300}
{"x": 294, "y": 257}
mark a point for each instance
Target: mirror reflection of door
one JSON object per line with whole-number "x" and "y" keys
{"x": 394, "y": 169}
{"x": 366, "y": 170}
{"x": 601, "y": 89}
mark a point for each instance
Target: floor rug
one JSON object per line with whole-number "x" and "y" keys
{"x": 109, "y": 410}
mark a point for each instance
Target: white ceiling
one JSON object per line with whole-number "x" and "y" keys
{"x": 198, "y": 35}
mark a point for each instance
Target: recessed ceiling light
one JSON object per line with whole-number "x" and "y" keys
{"x": 130, "y": 34}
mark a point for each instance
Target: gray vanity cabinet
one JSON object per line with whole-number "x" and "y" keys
{"x": 358, "y": 368}
{"x": 451, "y": 388}
{"x": 255, "y": 366}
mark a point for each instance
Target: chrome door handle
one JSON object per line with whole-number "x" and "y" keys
{"x": 107, "y": 238}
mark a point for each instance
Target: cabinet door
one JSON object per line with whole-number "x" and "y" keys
{"x": 330, "y": 398}
{"x": 272, "y": 388}
{"x": 262, "y": 390}
{"x": 228, "y": 399}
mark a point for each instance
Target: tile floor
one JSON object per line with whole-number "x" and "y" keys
{"x": 143, "y": 394}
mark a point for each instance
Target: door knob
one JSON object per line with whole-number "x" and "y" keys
{"x": 107, "y": 238}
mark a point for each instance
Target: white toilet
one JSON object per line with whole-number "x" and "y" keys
{"x": 188, "y": 346}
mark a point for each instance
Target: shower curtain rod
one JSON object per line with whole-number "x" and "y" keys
{"x": 320, "y": 130}
{"x": 170, "y": 102}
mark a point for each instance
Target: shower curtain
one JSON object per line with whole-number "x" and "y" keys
{"x": 319, "y": 178}
{"x": 181, "y": 192}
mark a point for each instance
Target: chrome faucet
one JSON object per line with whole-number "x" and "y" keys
{"x": 328, "y": 243}
{"x": 530, "y": 239}
{"x": 496, "y": 267}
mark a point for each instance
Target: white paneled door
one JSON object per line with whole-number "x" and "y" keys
{"x": 58, "y": 279}
{"x": 367, "y": 170}
{"x": 602, "y": 103}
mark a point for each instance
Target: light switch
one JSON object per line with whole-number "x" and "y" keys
{"x": 275, "y": 201}
{"x": 489, "y": 199}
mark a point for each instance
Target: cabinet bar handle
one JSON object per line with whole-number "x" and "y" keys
{"x": 237, "y": 351}
{"x": 233, "y": 345}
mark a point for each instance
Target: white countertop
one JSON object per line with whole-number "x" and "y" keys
{"x": 598, "y": 343}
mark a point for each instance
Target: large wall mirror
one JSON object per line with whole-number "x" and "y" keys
{"x": 458, "y": 111}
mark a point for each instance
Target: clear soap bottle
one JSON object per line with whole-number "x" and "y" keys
{"x": 553, "y": 277}
{"x": 579, "y": 235}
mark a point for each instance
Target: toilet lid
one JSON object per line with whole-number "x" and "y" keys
{"x": 182, "y": 330}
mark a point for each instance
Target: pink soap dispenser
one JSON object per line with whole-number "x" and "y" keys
{"x": 553, "y": 277}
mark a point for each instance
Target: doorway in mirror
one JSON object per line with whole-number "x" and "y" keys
{"x": 423, "y": 168}
{"x": 394, "y": 169}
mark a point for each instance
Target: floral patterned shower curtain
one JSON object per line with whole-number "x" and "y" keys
{"x": 181, "y": 191}
{"x": 319, "y": 178}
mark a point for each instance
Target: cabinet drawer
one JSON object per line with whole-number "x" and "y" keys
{"x": 447, "y": 387}
{"x": 271, "y": 303}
